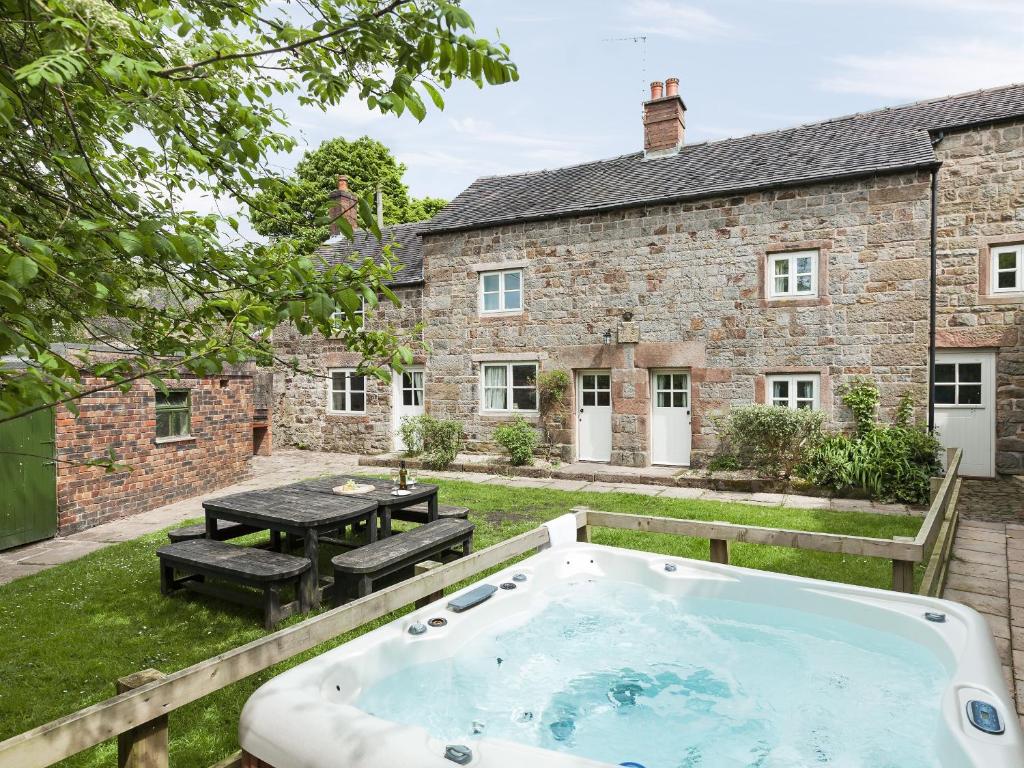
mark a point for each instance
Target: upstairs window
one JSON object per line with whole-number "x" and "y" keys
{"x": 338, "y": 318}
{"x": 509, "y": 386}
{"x": 501, "y": 291}
{"x": 347, "y": 393}
{"x": 173, "y": 414}
{"x": 793, "y": 275}
{"x": 1008, "y": 269}
{"x": 797, "y": 391}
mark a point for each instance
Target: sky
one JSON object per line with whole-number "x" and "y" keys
{"x": 744, "y": 66}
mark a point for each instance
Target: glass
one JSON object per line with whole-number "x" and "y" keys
{"x": 588, "y": 398}
{"x": 780, "y": 390}
{"x": 491, "y": 283}
{"x": 803, "y": 284}
{"x": 782, "y": 285}
{"x": 491, "y": 302}
{"x": 663, "y": 381}
{"x": 524, "y": 399}
{"x": 664, "y": 399}
{"x": 338, "y": 401}
{"x": 945, "y": 394}
{"x": 782, "y": 267}
{"x": 1007, "y": 279}
{"x": 358, "y": 400}
{"x": 513, "y": 281}
{"x": 1007, "y": 260}
{"x": 394, "y": 478}
{"x": 678, "y": 399}
{"x": 523, "y": 375}
{"x": 945, "y": 372}
{"x": 588, "y": 381}
{"x": 679, "y": 381}
{"x": 970, "y": 394}
{"x": 357, "y": 383}
{"x": 513, "y": 300}
{"x": 604, "y": 381}
{"x": 970, "y": 372}
{"x": 805, "y": 390}
{"x": 803, "y": 264}
{"x": 604, "y": 398}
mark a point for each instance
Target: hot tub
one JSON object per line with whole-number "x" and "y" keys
{"x": 588, "y": 655}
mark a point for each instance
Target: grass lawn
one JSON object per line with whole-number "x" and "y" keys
{"x": 69, "y": 632}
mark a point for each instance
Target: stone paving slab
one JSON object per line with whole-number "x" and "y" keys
{"x": 981, "y": 585}
{"x": 683, "y": 493}
{"x": 62, "y": 552}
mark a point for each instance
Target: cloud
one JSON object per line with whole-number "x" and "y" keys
{"x": 1012, "y": 7}
{"x": 673, "y": 19}
{"x": 937, "y": 68}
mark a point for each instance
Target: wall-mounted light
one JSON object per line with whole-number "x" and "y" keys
{"x": 606, "y": 337}
{"x": 627, "y": 315}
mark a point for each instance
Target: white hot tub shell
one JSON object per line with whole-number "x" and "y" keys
{"x": 307, "y": 718}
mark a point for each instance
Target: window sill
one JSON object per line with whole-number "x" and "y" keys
{"x": 346, "y": 413}
{"x": 1003, "y": 297}
{"x": 500, "y": 315}
{"x": 506, "y": 415}
{"x": 174, "y": 440}
{"x": 797, "y": 301}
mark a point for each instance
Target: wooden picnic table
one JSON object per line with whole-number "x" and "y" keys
{"x": 383, "y": 493}
{"x": 295, "y": 511}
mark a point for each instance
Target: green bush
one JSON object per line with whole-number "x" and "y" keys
{"x": 770, "y": 438}
{"x": 724, "y": 462}
{"x": 438, "y": 440}
{"x": 552, "y": 386}
{"x": 519, "y": 439}
{"x": 891, "y": 462}
{"x": 861, "y": 397}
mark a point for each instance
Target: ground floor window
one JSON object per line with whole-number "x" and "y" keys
{"x": 347, "y": 391}
{"x": 798, "y": 390}
{"x": 958, "y": 383}
{"x": 671, "y": 390}
{"x": 173, "y": 413}
{"x": 509, "y": 386}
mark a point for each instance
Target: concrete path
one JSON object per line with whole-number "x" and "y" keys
{"x": 986, "y": 570}
{"x": 287, "y": 466}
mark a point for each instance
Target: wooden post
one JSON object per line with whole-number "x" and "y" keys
{"x": 720, "y": 551}
{"x": 903, "y": 575}
{"x": 583, "y": 534}
{"x": 934, "y": 483}
{"x": 145, "y": 745}
{"x": 427, "y": 565}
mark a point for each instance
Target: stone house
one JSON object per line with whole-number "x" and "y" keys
{"x": 673, "y": 283}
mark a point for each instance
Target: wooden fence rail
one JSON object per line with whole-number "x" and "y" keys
{"x": 137, "y": 716}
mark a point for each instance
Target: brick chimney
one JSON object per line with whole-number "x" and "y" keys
{"x": 344, "y": 205}
{"x": 664, "y": 119}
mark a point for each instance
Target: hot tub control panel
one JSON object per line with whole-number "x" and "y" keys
{"x": 984, "y": 717}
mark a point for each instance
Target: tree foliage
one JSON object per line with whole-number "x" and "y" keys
{"x": 302, "y": 198}
{"x": 116, "y": 117}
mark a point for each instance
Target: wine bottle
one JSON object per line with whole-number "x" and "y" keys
{"x": 403, "y": 476}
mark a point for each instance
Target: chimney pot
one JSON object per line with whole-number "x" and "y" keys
{"x": 344, "y": 205}
{"x": 664, "y": 119}
{"x": 656, "y": 89}
{"x": 672, "y": 86}
{"x": 343, "y": 183}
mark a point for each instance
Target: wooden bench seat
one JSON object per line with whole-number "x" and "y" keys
{"x": 267, "y": 571}
{"x": 417, "y": 513}
{"x": 355, "y": 571}
{"x": 225, "y": 530}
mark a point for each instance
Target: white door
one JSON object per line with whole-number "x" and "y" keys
{"x": 594, "y": 403}
{"x": 670, "y": 418}
{"x": 965, "y": 408}
{"x": 408, "y": 400}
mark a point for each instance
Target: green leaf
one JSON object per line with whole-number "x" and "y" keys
{"x": 22, "y": 269}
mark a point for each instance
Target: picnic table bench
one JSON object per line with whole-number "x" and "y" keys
{"x": 262, "y": 569}
{"x": 224, "y": 530}
{"x": 355, "y": 571}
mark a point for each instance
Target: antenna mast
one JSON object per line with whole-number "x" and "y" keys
{"x": 641, "y": 41}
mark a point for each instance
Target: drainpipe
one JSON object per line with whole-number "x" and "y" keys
{"x": 933, "y": 290}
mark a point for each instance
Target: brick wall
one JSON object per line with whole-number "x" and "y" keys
{"x": 218, "y": 452}
{"x": 300, "y": 414}
{"x": 981, "y": 204}
{"x": 692, "y": 275}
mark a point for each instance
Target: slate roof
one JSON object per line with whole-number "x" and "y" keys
{"x": 407, "y": 248}
{"x": 891, "y": 139}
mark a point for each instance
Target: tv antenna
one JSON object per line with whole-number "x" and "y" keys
{"x": 641, "y": 41}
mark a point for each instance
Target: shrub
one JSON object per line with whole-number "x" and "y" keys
{"x": 770, "y": 438}
{"x": 552, "y": 386}
{"x": 439, "y": 440}
{"x": 519, "y": 439}
{"x": 724, "y": 462}
{"x": 861, "y": 397}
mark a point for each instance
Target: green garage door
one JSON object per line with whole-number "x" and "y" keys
{"x": 28, "y": 477}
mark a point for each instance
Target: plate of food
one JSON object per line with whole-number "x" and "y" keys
{"x": 353, "y": 487}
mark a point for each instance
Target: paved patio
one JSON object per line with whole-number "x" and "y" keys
{"x": 986, "y": 570}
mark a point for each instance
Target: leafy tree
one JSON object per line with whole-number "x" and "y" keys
{"x": 302, "y": 198}
{"x": 114, "y": 116}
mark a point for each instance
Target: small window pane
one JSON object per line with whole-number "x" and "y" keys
{"x": 803, "y": 284}
{"x": 1007, "y": 280}
{"x": 338, "y": 380}
{"x": 588, "y": 381}
{"x": 782, "y": 267}
{"x": 782, "y": 285}
{"x": 679, "y": 381}
{"x": 513, "y": 300}
{"x": 803, "y": 264}
{"x": 664, "y": 399}
{"x": 945, "y": 394}
{"x": 945, "y": 372}
{"x": 806, "y": 405}
{"x": 604, "y": 397}
{"x": 588, "y": 398}
{"x": 338, "y": 401}
{"x": 491, "y": 302}
{"x": 357, "y": 383}
{"x": 491, "y": 283}
{"x": 523, "y": 375}
{"x": 662, "y": 381}
{"x": 1007, "y": 260}
{"x": 805, "y": 390}
{"x": 970, "y": 372}
{"x": 678, "y": 399}
{"x": 407, "y": 397}
{"x": 513, "y": 281}
{"x": 780, "y": 390}
{"x": 970, "y": 394}
{"x": 163, "y": 424}
{"x": 524, "y": 399}
{"x": 603, "y": 381}
{"x": 358, "y": 401}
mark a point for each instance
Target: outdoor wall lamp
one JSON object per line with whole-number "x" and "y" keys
{"x": 606, "y": 337}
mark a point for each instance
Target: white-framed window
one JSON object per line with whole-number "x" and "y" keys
{"x": 793, "y": 274}
{"x": 1008, "y": 269}
{"x": 338, "y": 318}
{"x": 501, "y": 291}
{"x": 508, "y": 386}
{"x": 958, "y": 383}
{"x": 346, "y": 391}
{"x": 797, "y": 390}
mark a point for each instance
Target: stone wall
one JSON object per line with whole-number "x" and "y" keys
{"x": 692, "y": 275}
{"x": 300, "y": 414}
{"x": 218, "y": 452}
{"x": 981, "y": 204}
